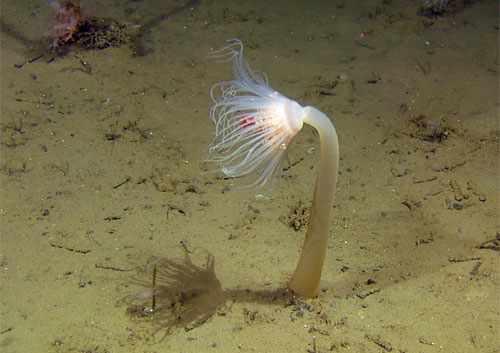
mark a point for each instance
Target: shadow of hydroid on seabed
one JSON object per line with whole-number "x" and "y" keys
{"x": 180, "y": 294}
{"x": 401, "y": 246}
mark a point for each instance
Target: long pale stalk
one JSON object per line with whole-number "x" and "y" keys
{"x": 306, "y": 278}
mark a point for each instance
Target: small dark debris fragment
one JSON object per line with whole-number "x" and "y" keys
{"x": 183, "y": 242}
{"x": 298, "y": 304}
{"x": 110, "y": 136}
{"x": 384, "y": 345}
{"x": 6, "y": 330}
{"x": 374, "y": 82}
{"x": 122, "y": 183}
{"x": 297, "y": 217}
{"x": 18, "y": 66}
{"x": 117, "y": 269}
{"x": 363, "y": 296}
{"x": 455, "y": 260}
{"x": 86, "y": 251}
{"x": 112, "y": 218}
{"x": 424, "y": 239}
{"x": 492, "y": 244}
{"x": 293, "y": 164}
{"x": 83, "y": 284}
{"x": 176, "y": 208}
{"x": 412, "y": 205}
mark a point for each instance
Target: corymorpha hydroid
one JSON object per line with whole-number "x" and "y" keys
{"x": 254, "y": 126}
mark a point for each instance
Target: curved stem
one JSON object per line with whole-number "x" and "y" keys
{"x": 306, "y": 278}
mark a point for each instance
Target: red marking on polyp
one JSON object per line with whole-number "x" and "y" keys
{"x": 247, "y": 122}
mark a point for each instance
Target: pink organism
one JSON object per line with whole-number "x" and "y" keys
{"x": 66, "y": 23}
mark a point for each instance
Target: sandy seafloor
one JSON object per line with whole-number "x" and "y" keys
{"x": 100, "y": 173}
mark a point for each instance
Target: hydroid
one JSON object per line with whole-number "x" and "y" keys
{"x": 254, "y": 126}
